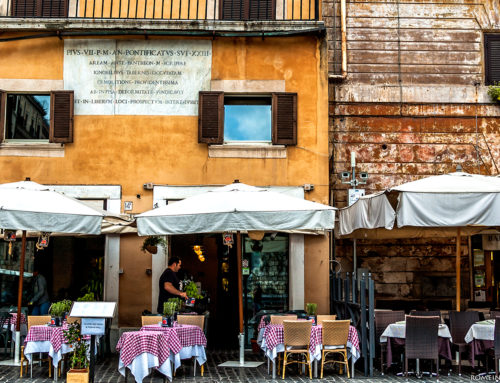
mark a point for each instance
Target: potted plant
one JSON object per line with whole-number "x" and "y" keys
{"x": 151, "y": 243}
{"x": 67, "y": 307}
{"x": 79, "y": 362}
{"x": 494, "y": 92}
{"x": 56, "y": 311}
{"x": 169, "y": 308}
{"x": 311, "y": 311}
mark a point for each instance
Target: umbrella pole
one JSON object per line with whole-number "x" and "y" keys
{"x": 457, "y": 267}
{"x": 20, "y": 298}
{"x": 240, "y": 298}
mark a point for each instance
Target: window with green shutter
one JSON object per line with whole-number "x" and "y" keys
{"x": 248, "y": 10}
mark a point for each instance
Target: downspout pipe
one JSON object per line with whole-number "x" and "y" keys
{"x": 343, "y": 31}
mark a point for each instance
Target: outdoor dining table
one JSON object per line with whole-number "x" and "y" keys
{"x": 140, "y": 351}
{"x": 395, "y": 334}
{"x": 273, "y": 342}
{"x": 49, "y": 339}
{"x": 481, "y": 336}
{"x": 192, "y": 339}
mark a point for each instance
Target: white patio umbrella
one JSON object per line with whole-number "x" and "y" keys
{"x": 237, "y": 207}
{"x": 30, "y": 206}
{"x": 444, "y": 205}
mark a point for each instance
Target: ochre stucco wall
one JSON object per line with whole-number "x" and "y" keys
{"x": 132, "y": 150}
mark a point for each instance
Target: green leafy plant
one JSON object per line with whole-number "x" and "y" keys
{"x": 67, "y": 305}
{"x": 494, "y": 92}
{"x": 311, "y": 308}
{"x": 178, "y": 303}
{"x": 192, "y": 290}
{"x": 57, "y": 309}
{"x": 169, "y": 308}
{"x": 89, "y": 297}
{"x": 153, "y": 240}
{"x": 78, "y": 359}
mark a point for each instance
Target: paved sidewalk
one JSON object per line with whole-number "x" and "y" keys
{"x": 107, "y": 372}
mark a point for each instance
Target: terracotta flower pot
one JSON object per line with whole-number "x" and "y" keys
{"x": 77, "y": 375}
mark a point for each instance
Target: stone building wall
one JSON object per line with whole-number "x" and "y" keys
{"x": 414, "y": 103}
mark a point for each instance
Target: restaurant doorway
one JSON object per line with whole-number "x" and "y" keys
{"x": 265, "y": 281}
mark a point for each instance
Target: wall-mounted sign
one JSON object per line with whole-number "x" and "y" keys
{"x": 128, "y": 205}
{"x": 354, "y": 195}
{"x": 491, "y": 242}
{"x": 137, "y": 77}
{"x": 228, "y": 239}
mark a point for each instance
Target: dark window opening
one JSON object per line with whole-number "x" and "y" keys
{"x": 24, "y": 112}
{"x": 492, "y": 58}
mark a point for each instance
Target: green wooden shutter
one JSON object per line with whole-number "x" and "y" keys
{"x": 61, "y": 116}
{"x": 211, "y": 117}
{"x": 284, "y": 107}
{"x": 261, "y": 10}
{"x": 492, "y": 56}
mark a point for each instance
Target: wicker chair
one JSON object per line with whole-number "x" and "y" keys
{"x": 382, "y": 320}
{"x": 150, "y": 319}
{"x": 494, "y": 314}
{"x": 417, "y": 313}
{"x": 35, "y": 320}
{"x": 5, "y": 329}
{"x": 335, "y": 334}
{"x": 321, "y": 318}
{"x": 297, "y": 336}
{"x": 195, "y": 320}
{"x": 70, "y": 320}
{"x": 422, "y": 339}
{"x": 278, "y": 319}
{"x": 460, "y": 323}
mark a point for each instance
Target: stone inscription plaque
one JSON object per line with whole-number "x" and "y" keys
{"x": 137, "y": 77}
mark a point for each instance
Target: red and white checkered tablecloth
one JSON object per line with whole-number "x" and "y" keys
{"x": 262, "y": 323}
{"x": 274, "y": 335}
{"x": 14, "y": 318}
{"x": 158, "y": 343}
{"x": 189, "y": 335}
{"x": 52, "y": 334}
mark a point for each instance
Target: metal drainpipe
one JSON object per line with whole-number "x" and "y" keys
{"x": 343, "y": 30}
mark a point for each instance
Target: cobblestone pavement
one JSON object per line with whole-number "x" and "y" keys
{"x": 107, "y": 372}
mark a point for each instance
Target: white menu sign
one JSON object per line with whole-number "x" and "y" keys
{"x": 137, "y": 77}
{"x": 93, "y": 309}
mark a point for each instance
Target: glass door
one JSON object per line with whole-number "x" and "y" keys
{"x": 265, "y": 279}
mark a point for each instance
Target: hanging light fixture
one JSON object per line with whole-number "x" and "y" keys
{"x": 198, "y": 250}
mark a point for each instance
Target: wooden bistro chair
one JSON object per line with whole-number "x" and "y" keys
{"x": 335, "y": 334}
{"x": 460, "y": 323}
{"x": 195, "y": 320}
{"x": 35, "y": 320}
{"x": 278, "y": 319}
{"x": 70, "y": 320}
{"x": 321, "y": 318}
{"x": 382, "y": 320}
{"x": 422, "y": 340}
{"x": 297, "y": 336}
{"x": 150, "y": 319}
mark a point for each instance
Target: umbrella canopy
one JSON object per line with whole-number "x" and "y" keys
{"x": 236, "y": 207}
{"x": 455, "y": 199}
{"x": 30, "y": 206}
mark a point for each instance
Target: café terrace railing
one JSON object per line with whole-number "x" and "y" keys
{"x": 235, "y": 10}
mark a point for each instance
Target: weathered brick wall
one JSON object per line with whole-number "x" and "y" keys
{"x": 414, "y": 104}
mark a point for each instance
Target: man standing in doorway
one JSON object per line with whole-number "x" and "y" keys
{"x": 40, "y": 298}
{"x": 170, "y": 286}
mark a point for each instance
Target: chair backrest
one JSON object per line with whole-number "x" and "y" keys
{"x": 195, "y": 320}
{"x": 73, "y": 320}
{"x": 5, "y": 319}
{"x": 494, "y": 314}
{"x": 321, "y": 318}
{"x": 384, "y": 319}
{"x": 297, "y": 333}
{"x": 150, "y": 319}
{"x": 460, "y": 323}
{"x": 335, "y": 332}
{"x": 496, "y": 338}
{"x": 422, "y": 337}
{"x": 37, "y": 320}
{"x": 278, "y": 319}
{"x": 418, "y": 313}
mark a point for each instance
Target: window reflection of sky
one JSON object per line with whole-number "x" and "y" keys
{"x": 44, "y": 101}
{"x": 247, "y": 122}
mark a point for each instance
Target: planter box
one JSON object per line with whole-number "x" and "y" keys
{"x": 77, "y": 376}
